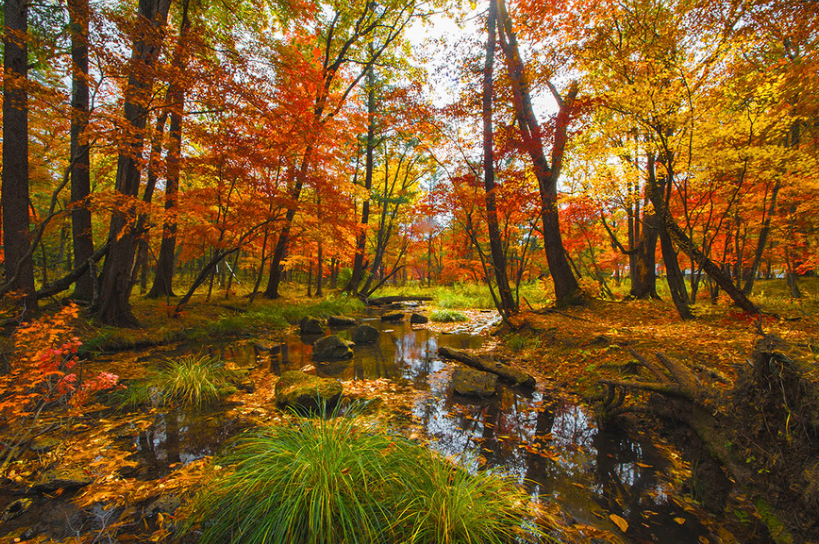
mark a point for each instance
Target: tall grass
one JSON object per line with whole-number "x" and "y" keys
{"x": 344, "y": 481}
{"x": 189, "y": 382}
{"x": 446, "y": 316}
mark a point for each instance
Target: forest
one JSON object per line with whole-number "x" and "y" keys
{"x": 261, "y": 260}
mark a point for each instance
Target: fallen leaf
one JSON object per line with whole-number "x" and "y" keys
{"x": 681, "y": 521}
{"x": 620, "y": 522}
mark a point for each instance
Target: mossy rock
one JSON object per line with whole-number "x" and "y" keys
{"x": 473, "y": 383}
{"x": 365, "y": 334}
{"x": 311, "y": 325}
{"x": 332, "y": 348}
{"x": 306, "y": 392}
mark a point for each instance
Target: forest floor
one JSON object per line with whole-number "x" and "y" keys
{"x": 568, "y": 351}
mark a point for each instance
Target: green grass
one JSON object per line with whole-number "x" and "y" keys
{"x": 345, "y": 481}
{"x": 192, "y": 382}
{"x": 446, "y": 316}
{"x": 189, "y": 382}
{"x": 281, "y": 315}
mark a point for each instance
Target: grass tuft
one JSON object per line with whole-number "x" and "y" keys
{"x": 193, "y": 382}
{"x": 446, "y": 316}
{"x": 341, "y": 480}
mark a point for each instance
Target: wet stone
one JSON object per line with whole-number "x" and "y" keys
{"x": 418, "y": 318}
{"x": 398, "y": 316}
{"x": 42, "y": 444}
{"x": 311, "y": 325}
{"x": 17, "y": 508}
{"x": 340, "y": 321}
{"x": 473, "y": 383}
{"x": 62, "y": 478}
{"x": 332, "y": 348}
{"x": 306, "y": 392}
{"x": 165, "y": 504}
{"x": 365, "y": 334}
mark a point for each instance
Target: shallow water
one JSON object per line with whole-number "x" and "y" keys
{"x": 548, "y": 443}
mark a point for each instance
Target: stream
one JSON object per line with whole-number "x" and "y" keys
{"x": 547, "y": 442}
{"x": 550, "y": 444}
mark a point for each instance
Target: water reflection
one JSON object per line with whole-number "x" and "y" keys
{"x": 548, "y": 443}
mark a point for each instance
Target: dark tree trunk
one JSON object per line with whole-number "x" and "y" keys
{"x": 83, "y": 241}
{"x": 361, "y": 239}
{"x": 659, "y": 192}
{"x": 644, "y": 275}
{"x": 319, "y": 272}
{"x": 275, "y": 278}
{"x": 163, "y": 279}
{"x": 508, "y": 306}
{"x": 114, "y": 306}
{"x": 16, "y": 234}
{"x": 567, "y": 290}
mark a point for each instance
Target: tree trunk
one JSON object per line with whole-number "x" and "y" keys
{"x": 83, "y": 241}
{"x": 658, "y": 190}
{"x": 507, "y": 302}
{"x": 567, "y": 290}
{"x": 275, "y": 278}
{"x": 361, "y": 239}
{"x": 16, "y": 234}
{"x": 163, "y": 279}
{"x": 114, "y": 306}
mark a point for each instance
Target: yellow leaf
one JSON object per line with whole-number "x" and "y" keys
{"x": 681, "y": 521}
{"x": 620, "y": 522}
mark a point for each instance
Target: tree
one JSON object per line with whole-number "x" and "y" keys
{"x": 341, "y": 41}
{"x": 114, "y": 306}
{"x": 508, "y": 305}
{"x": 567, "y": 290}
{"x": 80, "y": 150}
{"x": 16, "y": 237}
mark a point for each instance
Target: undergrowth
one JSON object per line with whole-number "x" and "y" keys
{"x": 346, "y": 481}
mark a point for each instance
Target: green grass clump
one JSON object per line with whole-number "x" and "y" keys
{"x": 137, "y": 394}
{"x": 340, "y": 480}
{"x": 193, "y": 382}
{"x": 189, "y": 382}
{"x": 446, "y": 316}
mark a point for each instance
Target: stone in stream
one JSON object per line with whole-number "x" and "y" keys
{"x": 365, "y": 334}
{"x": 331, "y": 348}
{"x": 398, "y": 316}
{"x": 340, "y": 321}
{"x": 68, "y": 478}
{"x": 311, "y": 325}
{"x": 473, "y": 383}
{"x": 418, "y": 318}
{"x": 307, "y": 392}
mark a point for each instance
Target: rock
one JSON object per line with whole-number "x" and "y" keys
{"x": 165, "y": 504}
{"x": 306, "y": 392}
{"x": 419, "y": 318}
{"x": 365, "y": 334}
{"x": 241, "y": 380}
{"x": 17, "y": 508}
{"x": 340, "y": 321}
{"x": 473, "y": 383}
{"x": 331, "y": 348}
{"x": 62, "y": 478}
{"x": 311, "y": 325}
{"x": 42, "y": 444}
{"x": 398, "y": 316}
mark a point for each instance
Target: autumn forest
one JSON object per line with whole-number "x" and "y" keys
{"x": 607, "y": 207}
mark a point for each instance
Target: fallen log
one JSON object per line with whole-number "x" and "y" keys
{"x": 504, "y": 371}
{"x": 383, "y": 301}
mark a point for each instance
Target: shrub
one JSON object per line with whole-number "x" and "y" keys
{"x": 326, "y": 481}
{"x": 446, "y": 316}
